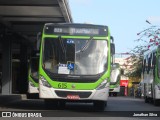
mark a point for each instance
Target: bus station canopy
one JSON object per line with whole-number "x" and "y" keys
{"x": 27, "y": 17}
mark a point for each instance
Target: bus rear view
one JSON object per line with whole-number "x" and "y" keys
{"x": 115, "y": 80}
{"x": 75, "y": 64}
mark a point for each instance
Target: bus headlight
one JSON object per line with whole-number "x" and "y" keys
{"x": 44, "y": 82}
{"x": 31, "y": 84}
{"x": 102, "y": 85}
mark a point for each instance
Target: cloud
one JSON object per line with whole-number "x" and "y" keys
{"x": 154, "y": 19}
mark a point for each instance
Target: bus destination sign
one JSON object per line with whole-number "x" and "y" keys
{"x": 76, "y": 30}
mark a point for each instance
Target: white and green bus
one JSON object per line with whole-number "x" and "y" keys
{"x": 115, "y": 80}
{"x": 151, "y": 75}
{"x": 75, "y": 64}
{"x": 33, "y": 72}
{"x": 33, "y": 76}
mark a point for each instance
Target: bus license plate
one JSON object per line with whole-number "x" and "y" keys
{"x": 73, "y": 97}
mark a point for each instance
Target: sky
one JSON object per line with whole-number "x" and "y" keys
{"x": 125, "y": 18}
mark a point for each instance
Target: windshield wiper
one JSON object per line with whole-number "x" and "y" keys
{"x": 86, "y": 45}
{"x": 62, "y": 45}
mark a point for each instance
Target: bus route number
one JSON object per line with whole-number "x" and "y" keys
{"x": 62, "y": 85}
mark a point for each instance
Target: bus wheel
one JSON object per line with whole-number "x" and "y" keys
{"x": 51, "y": 104}
{"x": 156, "y": 102}
{"x": 100, "y": 105}
{"x": 146, "y": 100}
{"x": 32, "y": 96}
{"x": 115, "y": 94}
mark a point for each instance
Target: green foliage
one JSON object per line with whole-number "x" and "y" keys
{"x": 136, "y": 66}
{"x": 148, "y": 38}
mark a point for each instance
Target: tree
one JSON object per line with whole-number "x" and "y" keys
{"x": 148, "y": 38}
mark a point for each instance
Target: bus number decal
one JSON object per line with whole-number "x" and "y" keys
{"x": 62, "y": 85}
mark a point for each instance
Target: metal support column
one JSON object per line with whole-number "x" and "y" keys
{"x": 6, "y": 66}
{"x": 23, "y": 81}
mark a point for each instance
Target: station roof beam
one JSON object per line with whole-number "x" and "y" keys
{"x": 27, "y": 17}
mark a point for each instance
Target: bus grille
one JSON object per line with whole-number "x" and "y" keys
{"x": 65, "y": 93}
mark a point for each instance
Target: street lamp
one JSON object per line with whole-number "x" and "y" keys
{"x": 148, "y": 22}
{"x": 156, "y": 33}
{"x": 145, "y": 29}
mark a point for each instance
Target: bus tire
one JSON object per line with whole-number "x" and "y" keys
{"x": 156, "y": 102}
{"x": 115, "y": 94}
{"x": 146, "y": 100}
{"x": 51, "y": 104}
{"x": 62, "y": 105}
{"x": 100, "y": 105}
{"x": 28, "y": 96}
{"x": 32, "y": 96}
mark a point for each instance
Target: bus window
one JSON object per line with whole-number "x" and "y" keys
{"x": 149, "y": 65}
{"x": 70, "y": 52}
{"x": 154, "y": 59}
{"x": 144, "y": 65}
{"x": 159, "y": 66}
{"x": 154, "y": 63}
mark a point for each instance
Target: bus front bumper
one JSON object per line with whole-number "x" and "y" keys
{"x": 51, "y": 93}
{"x": 117, "y": 89}
{"x": 32, "y": 89}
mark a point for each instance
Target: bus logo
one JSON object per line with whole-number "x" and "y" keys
{"x": 73, "y": 86}
{"x": 70, "y": 66}
{"x": 6, "y": 114}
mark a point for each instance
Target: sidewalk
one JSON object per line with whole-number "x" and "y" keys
{"x": 6, "y": 99}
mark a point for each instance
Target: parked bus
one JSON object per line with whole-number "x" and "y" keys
{"x": 33, "y": 73}
{"x": 151, "y": 75}
{"x": 75, "y": 64}
{"x": 115, "y": 80}
{"x": 33, "y": 76}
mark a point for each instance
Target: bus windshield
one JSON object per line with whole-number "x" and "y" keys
{"x": 75, "y": 56}
{"x": 115, "y": 76}
{"x": 34, "y": 67}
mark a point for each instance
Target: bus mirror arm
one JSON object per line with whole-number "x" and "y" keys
{"x": 112, "y": 48}
{"x": 112, "y": 38}
{"x": 112, "y": 45}
{"x": 39, "y": 36}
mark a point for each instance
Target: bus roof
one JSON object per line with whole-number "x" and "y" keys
{"x": 151, "y": 50}
{"x": 75, "y": 25}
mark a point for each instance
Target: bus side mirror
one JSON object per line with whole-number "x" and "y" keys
{"x": 39, "y": 36}
{"x": 112, "y": 48}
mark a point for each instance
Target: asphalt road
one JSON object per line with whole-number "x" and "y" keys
{"x": 117, "y": 108}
